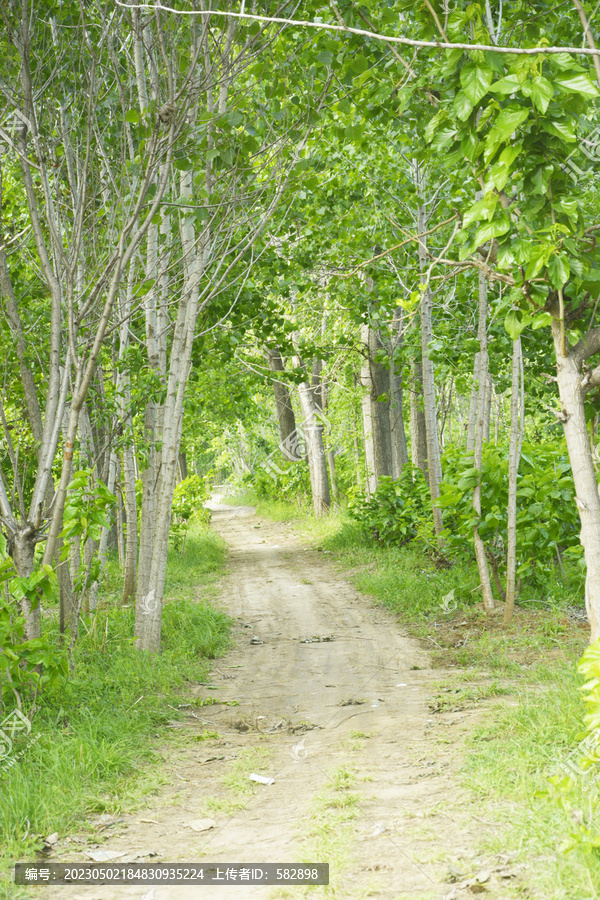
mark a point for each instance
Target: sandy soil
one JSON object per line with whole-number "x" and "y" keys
{"x": 321, "y": 680}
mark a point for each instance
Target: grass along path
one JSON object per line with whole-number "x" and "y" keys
{"x": 93, "y": 750}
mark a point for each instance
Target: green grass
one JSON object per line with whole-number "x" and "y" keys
{"x": 510, "y": 763}
{"x": 93, "y": 743}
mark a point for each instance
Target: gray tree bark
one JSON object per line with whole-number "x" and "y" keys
{"x": 375, "y": 378}
{"x": 283, "y": 402}
{"x": 480, "y": 554}
{"x": 517, "y": 421}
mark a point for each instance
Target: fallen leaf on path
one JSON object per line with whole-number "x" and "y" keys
{"x": 201, "y": 824}
{"x": 261, "y": 779}
{"x": 105, "y": 855}
{"x": 52, "y": 839}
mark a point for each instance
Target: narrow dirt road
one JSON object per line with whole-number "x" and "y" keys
{"x": 323, "y": 693}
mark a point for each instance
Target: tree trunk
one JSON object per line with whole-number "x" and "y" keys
{"x": 487, "y": 408}
{"x": 480, "y": 554}
{"x": 571, "y": 392}
{"x": 516, "y": 437}
{"x": 472, "y": 420}
{"x": 283, "y": 403}
{"x": 418, "y": 436}
{"x": 183, "y": 466}
{"x": 434, "y": 466}
{"x": 398, "y": 434}
{"x": 332, "y": 477}
{"x": 22, "y": 549}
{"x": 312, "y": 427}
{"x": 376, "y": 413}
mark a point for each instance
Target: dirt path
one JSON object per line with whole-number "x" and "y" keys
{"x": 331, "y": 701}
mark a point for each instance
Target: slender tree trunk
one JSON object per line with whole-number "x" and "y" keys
{"x": 283, "y": 403}
{"x": 472, "y": 420}
{"x": 480, "y": 554}
{"x": 312, "y": 427}
{"x": 572, "y": 415}
{"x": 516, "y": 437}
{"x": 332, "y": 476}
{"x": 418, "y": 436}
{"x": 376, "y": 412}
{"x": 398, "y": 433}
{"x": 434, "y": 465}
{"x": 487, "y": 408}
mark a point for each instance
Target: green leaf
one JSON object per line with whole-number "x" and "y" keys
{"x": 507, "y": 123}
{"x": 483, "y": 209}
{"x": 542, "y": 320}
{"x": 500, "y": 170}
{"x": 132, "y": 116}
{"x": 184, "y": 165}
{"x": 562, "y": 130}
{"x": 491, "y": 230}
{"x": 515, "y": 322}
{"x": 577, "y": 84}
{"x": 541, "y": 93}
{"x": 443, "y": 138}
{"x": 463, "y": 107}
{"x": 475, "y": 81}
{"x": 324, "y": 57}
{"x": 559, "y": 270}
{"x": 508, "y": 85}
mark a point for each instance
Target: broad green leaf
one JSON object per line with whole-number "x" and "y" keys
{"x": 570, "y": 207}
{"x": 577, "y": 84}
{"x": 433, "y": 124}
{"x": 443, "y": 138}
{"x": 500, "y": 170}
{"x": 537, "y": 261}
{"x": 475, "y": 81}
{"x": 508, "y": 85}
{"x": 132, "y": 116}
{"x": 515, "y": 322}
{"x": 491, "y": 230}
{"x": 184, "y": 165}
{"x": 541, "y": 93}
{"x": 507, "y": 122}
{"x": 234, "y": 117}
{"x": 325, "y": 57}
{"x": 562, "y": 130}
{"x": 463, "y": 107}
{"x": 559, "y": 271}
{"x": 542, "y": 320}
{"x": 483, "y": 209}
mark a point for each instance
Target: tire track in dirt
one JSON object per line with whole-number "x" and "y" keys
{"x": 312, "y": 665}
